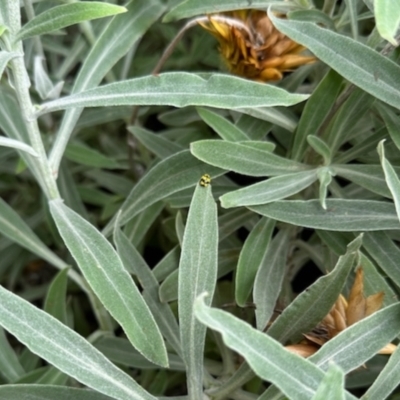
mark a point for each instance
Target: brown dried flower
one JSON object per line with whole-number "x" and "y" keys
{"x": 343, "y": 314}
{"x": 252, "y": 47}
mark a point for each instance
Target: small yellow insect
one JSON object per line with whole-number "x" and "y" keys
{"x": 205, "y": 180}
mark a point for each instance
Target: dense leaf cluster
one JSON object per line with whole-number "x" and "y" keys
{"x": 138, "y": 209}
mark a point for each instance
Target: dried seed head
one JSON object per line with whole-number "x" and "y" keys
{"x": 252, "y": 47}
{"x": 343, "y": 314}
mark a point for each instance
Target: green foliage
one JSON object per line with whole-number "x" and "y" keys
{"x": 180, "y": 235}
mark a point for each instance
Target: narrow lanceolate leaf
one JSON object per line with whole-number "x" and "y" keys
{"x": 251, "y": 258}
{"x": 10, "y": 367}
{"x": 156, "y": 143}
{"x": 391, "y": 120}
{"x": 225, "y": 129}
{"x": 134, "y": 262}
{"x": 325, "y": 179}
{"x": 351, "y": 6}
{"x": 370, "y": 177}
{"x": 387, "y": 15}
{"x": 358, "y": 63}
{"x": 340, "y": 214}
{"x": 361, "y": 341}
{"x": 391, "y": 177}
{"x": 273, "y": 189}
{"x": 179, "y": 89}
{"x": 5, "y": 57}
{"x": 65, "y": 15}
{"x": 56, "y": 298}
{"x": 315, "y": 111}
{"x": 272, "y": 115}
{"x": 387, "y": 380}
{"x": 243, "y": 159}
{"x": 16, "y": 144}
{"x": 84, "y": 155}
{"x": 332, "y": 386}
{"x": 15, "y": 228}
{"x": 14, "y": 126}
{"x": 169, "y": 176}
{"x": 268, "y": 282}
{"x": 116, "y": 40}
{"x": 385, "y": 253}
{"x": 48, "y": 392}
{"x": 65, "y": 349}
{"x": 43, "y": 84}
{"x": 312, "y": 305}
{"x": 190, "y": 8}
{"x": 337, "y": 132}
{"x": 320, "y": 147}
{"x": 259, "y": 145}
{"x": 197, "y": 274}
{"x": 103, "y": 269}
{"x": 296, "y": 377}
{"x": 375, "y": 281}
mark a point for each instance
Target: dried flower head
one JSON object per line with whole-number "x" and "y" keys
{"x": 343, "y": 314}
{"x": 252, "y": 47}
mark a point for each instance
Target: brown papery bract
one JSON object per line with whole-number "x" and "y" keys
{"x": 252, "y": 47}
{"x": 343, "y": 314}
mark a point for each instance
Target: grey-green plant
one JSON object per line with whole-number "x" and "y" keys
{"x": 125, "y": 273}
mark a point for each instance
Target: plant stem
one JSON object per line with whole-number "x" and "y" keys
{"x": 21, "y": 84}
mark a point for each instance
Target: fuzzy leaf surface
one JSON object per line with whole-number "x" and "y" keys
{"x": 225, "y": 129}
{"x": 179, "y": 89}
{"x": 190, "y": 8}
{"x": 16, "y": 229}
{"x": 243, "y": 159}
{"x": 340, "y": 214}
{"x": 268, "y": 282}
{"x": 332, "y": 386}
{"x": 387, "y": 380}
{"x": 65, "y": 349}
{"x": 273, "y": 189}
{"x": 48, "y": 392}
{"x": 391, "y": 177}
{"x": 387, "y": 15}
{"x": 123, "y": 31}
{"x": 251, "y": 257}
{"x": 175, "y": 173}
{"x": 358, "y": 343}
{"x": 358, "y": 63}
{"x": 198, "y": 268}
{"x": 65, "y": 15}
{"x": 268, "y": 358}
{"x": 5, "y": 57}
{"x": 311, "y": 306}
{"x": 105, "y": 273}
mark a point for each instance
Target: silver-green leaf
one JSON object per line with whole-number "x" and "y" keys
{"x": 65, "y": 349}
{"x": 197, "y": 273}
{"x": 105, "y": 273}
{"x": 190, "y": 8}
{"x": 65, "y": 15}
{"x": 273, "y": 189}
{"x": 358, "y": 63}
{"x": 295, "y": 376}
{"x": 179, "y": 89}
{"x": 340, "y": 214}
{"x": 387, "y": 15}
{"x": 243, "y": 159}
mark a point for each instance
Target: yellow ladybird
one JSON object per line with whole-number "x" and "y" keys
{"x": 205, "y": 180}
